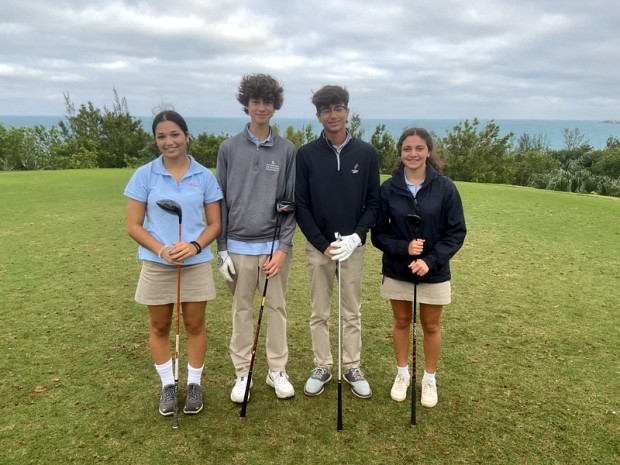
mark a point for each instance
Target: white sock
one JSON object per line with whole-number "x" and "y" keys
{"x": 194, "y": 374}
{"x": 165, "y": 373}
{"x": 404, "y": 371}
{"x": 429, "y": 376}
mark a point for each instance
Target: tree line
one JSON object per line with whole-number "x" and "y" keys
{"x": 90, "y": 137}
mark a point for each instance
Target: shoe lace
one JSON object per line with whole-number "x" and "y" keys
{"x": 319, "y": 372}
{"x": 168, "y": 393}
{"x": 280, "y": 377}
{"x": 193, "y": 391}
{"x": 428, "y": 387}
{"x": 401, "y": 382}
{"x": 356, "y": 374}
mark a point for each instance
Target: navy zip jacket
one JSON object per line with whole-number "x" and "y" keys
{"x": 439, "y": 205}
{"x": 336, "y": 193}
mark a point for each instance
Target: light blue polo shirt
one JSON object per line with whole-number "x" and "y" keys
{"x": 412, "y": 188}
{"x": 151, "y": 182}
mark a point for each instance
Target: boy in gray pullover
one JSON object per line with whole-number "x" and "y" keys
{"x": 255, "y": 169}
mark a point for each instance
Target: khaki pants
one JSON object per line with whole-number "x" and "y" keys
{"x": 247, "y": 281}
{"x": 321, "y": 273}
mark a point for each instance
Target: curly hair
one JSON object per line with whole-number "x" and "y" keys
{"x": 260, "y": 86}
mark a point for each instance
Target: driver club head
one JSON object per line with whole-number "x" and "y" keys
{"x": 171, "y": 207}
{"x": 414, "y": 220}
{"x": 285, "y": 206}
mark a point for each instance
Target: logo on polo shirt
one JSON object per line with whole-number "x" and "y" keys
{"x": 356, "y": 169}
{"x": 273, "y": 166}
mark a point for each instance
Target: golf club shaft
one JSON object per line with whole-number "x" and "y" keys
{"x": 175, "y": 416}
{"x": 172, "y": 207}
{"x": 246, "y": 395}
{"x": 414, "y": 356}
{"x": 339, "y": 353}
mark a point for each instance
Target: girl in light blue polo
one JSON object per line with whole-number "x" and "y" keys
{"x": 177, "y": 176}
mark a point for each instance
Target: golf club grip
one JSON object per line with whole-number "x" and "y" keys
{"x": 246, "y": 394}
{"x": 175, "y": 415}
{"x": 339, "y": 405}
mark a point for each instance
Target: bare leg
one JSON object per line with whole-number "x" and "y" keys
{"x": 430, "y": 319}
{"x": 194, "y": 322}
{"x": 160, "y": 320}
{"x": 401, "y": 330}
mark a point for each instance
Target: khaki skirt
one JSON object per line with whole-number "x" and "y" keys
{"x": 157, "y": 284}
{"x": 428, "y": 293}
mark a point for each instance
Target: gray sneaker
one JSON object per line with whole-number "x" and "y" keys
{"x": 316, "y": 383}
{"x": 166, "y": 401}
{"x": 193, "y": 401}
{"x": 359, "y": 385}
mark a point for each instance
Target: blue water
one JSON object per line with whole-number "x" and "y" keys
{"x": 596, "y": 133}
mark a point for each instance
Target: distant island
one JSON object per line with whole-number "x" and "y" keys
{"x": 611, "y": 121}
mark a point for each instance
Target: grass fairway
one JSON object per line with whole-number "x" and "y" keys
{"x": 529, "y": 372}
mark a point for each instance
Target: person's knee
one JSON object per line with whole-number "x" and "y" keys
{"x": 402, "y": 323}
{"x": 194, "y": 327}
{"x": 160, "y": 328}
{"x": 431, "y": 327}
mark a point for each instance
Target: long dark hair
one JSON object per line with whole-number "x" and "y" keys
{"x": 433, "y": 159}
{"x": 170, "y": 115}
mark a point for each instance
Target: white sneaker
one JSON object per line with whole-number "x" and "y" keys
{"x": 279, "y": 381}
{"x": 429, "y": 393}
{"x": 238, "y": 391}
{"x": 399, "y": 389}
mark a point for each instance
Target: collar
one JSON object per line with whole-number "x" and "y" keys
{"x": 399, "y": 179}
{"x": 337, "y": 148}
{"x": 267, "y": 142}
{"x": 159, "y": 168}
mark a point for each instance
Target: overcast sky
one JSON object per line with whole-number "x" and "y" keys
{"x": 502, "y": 59}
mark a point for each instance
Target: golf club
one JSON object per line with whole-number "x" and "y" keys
{"x": 174, "y": 208}
{"x": 282, "y": 208}
{"x": 339, "y": 347}
{"x": 415, "y": 221}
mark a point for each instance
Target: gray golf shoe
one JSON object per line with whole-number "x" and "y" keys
{"x": 193, "y": 401}
{"x": 359, "y": 385}
{"x": 166, "y": 401}
{"x": 316, "y": 383}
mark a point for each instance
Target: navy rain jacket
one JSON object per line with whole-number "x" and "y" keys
{"x": 439, "y": 205}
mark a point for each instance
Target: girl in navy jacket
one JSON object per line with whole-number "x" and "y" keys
{"x": 419, "y": 227}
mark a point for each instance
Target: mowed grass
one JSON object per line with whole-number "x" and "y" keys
{"x": 529, "y": 372}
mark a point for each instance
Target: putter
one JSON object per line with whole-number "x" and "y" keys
{"x": 415, "y": 221}
{"x": 283, "y": 207}
{"x": 174, "y": 208}
{"x": 339, "y": 348}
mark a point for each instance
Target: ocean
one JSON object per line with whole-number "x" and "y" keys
{"x": 596, "y": 132}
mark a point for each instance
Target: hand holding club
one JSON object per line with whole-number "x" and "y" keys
{"x": 344, "y": 246}
{"x": 415, "y": 247}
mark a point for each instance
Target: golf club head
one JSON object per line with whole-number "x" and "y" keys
{"x": 285, "y": 206}
{"x": 171, "y": 207}
{"x": 414, "y": 220}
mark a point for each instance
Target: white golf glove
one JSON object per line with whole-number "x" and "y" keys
{"x": 344, "y": 247}
{"x": 225, "y": 265}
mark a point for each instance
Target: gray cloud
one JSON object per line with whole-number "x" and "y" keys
{"x": 449, "y": 59}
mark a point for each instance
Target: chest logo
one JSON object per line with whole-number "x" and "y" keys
{"x": 272, "y": 166}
